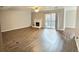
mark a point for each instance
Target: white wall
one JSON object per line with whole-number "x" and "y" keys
{"x": 70, "y": 17}
{"x": 77, "y": 20}
{"x": 15, "y": 19}
{"x": 60, "y": 19}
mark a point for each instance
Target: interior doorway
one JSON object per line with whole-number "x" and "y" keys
{"x": 50, "y": 20}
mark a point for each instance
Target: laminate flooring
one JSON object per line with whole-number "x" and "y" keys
{"x": 37, "y": 40}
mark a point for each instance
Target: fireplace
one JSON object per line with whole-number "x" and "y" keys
{"x": 37, "y": 24}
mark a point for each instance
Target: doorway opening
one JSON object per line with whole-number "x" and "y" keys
{"x": 50, "y": 20}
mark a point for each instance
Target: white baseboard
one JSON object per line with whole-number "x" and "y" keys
{"x": 15, "y": 28}
{"x": 60, "y": 29}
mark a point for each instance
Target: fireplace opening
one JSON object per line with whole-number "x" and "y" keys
{"x": 37, "y": 23}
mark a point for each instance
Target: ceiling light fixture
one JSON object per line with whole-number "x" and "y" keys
{"x": 36, "y": 9}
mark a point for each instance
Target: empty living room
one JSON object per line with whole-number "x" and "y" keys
{"x": 39, "y": 28}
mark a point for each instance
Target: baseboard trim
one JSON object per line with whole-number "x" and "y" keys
{"x": 15, "y": 29}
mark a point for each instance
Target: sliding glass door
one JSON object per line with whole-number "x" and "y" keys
{"x": 50, "y": 20}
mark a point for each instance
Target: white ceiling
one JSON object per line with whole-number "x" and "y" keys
{"x": 42, "y": 8}
{"x": 31, "y": 7}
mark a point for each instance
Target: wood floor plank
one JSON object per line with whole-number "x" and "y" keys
{"x": 37, "y": 40}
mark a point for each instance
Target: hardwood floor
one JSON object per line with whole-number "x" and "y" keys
{"x": 1, "y": 42}
{"x": 37, "y": 40}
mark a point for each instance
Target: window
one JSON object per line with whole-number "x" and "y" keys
{"x": 50, "y": 20}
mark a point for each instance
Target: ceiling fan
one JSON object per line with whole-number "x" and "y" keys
{"x": 43, "y": 8}
{"x": 36, "y": 8}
